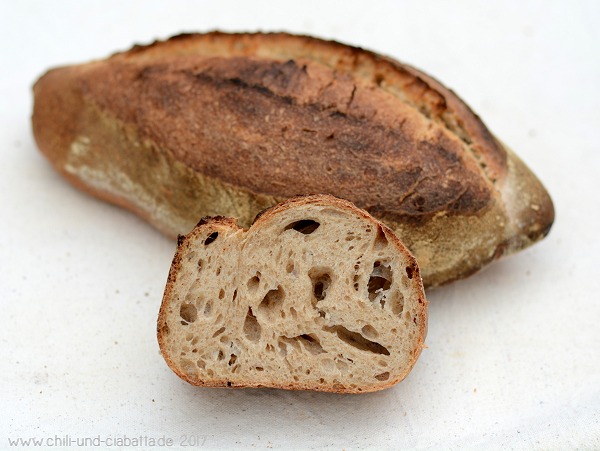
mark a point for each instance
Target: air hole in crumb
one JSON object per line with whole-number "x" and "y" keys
{"x": 321, "y": 280}
{"x": 383, "y": 376}
{"x": 187, "y": 366}
{"x": 228, "y": 384}
{"x": 252, "y": 328}
{"x": 212, "y": 237}
{"x": 305, "y": 226}
{"x": 379, "y": 282}
{"x": 234, "y": 295}
{"x": 218, "y": 271}
{"x": 259, "y": 368}
{"x": 397, "y": 303}
{"x": 381, "y": 240}
{"x": 319, "y": 290}
{"x": 293, "y": 342}
{"x": 254, "y": 282}
{"x": 188, "y": 313}
{"x": 357, "y": 340}
{"x": 282, "y": 348}
{"x": 409, "y": 271}
{"x": 310, "y": 342}
{"x": 200, "y": 264}
{"x": 356, "y": 277}
{"x": 290, "y": 266}
{"x": 293, "y": 313}
{"x": 369, "y": 331}
{"x": 272, "y": 300}
{"x": 220, "y": 356}
{"x": 207, "y": 308}
{"x": 321, "y": 381}
{"x": 221, "y": 293}
{"x": 219, "y": 332}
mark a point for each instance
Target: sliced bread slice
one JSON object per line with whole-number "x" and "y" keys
{"x": 315, "y": 295}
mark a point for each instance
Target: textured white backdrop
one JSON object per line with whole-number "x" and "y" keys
{"x": 513, "y": 358}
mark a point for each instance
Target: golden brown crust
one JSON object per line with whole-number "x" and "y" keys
{"x": 233, "y": 123}
{"x": 294, "y": 123}
{"x": 229, "y": 225}
{"x": 422, "y": 91}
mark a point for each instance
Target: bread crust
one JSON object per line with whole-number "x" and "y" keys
{"x": 223, "y": 224}
{"x": 232, "y": 123}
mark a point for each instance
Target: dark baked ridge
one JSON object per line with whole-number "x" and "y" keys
{"x": 303, "y": 123}
{"x": 230, "y": 124}
{"x": 316, "y": 295}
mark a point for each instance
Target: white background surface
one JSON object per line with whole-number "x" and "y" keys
{"x": 513, "y": 358}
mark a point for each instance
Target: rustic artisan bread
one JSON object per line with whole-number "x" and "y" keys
{"x": 229, "y": 124}
{"x": 316, "y": 295}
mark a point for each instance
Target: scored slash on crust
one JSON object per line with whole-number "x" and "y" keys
{"x": 144, "y": 129}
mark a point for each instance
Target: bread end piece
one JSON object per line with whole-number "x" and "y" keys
{"x": 316, "y": 295}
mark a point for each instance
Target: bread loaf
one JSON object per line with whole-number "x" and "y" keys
{"x": 229, "y": 124}
{"x": 316, "y": 295}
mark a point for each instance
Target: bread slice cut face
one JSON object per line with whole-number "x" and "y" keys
{"x": 315, "y": 295}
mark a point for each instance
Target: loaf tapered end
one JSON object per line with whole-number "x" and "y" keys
{"x": 529, "y": 206}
